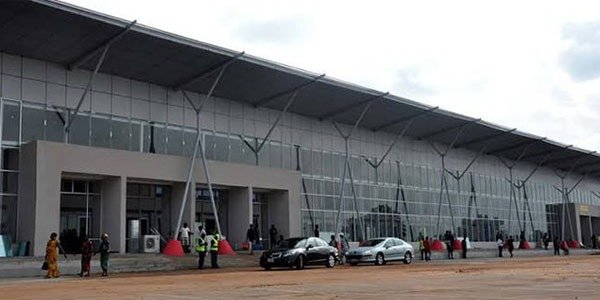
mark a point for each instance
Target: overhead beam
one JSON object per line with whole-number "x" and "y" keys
{"x": 346, "y": 108}
{"x": 87, "y": 56}
{"x": 545, "y": 152}
{"x": 208, "y": 71}
{"x": 446, "y": 129}
{"x": 563, "y": 159}
{"x": 267, "y": 99}
{"x": 403, "y": 119}
{"x": 516, "y": 146}
{"x": 483, "y": 139}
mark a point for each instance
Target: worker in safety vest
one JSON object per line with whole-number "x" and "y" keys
{"x": 214, "y": 249}
{"x": 201, "y": 246}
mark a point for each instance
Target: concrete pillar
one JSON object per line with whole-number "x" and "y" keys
{"x": 279, "y": 209}
{"x": 114, "y": 201}
{"x": 189, "y": 212}
{"x": 239, "y": 215}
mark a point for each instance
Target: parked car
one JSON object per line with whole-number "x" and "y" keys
{"x": 381, "y": 251}
{"x": 299, "y": 252}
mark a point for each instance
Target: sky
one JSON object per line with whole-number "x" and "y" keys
{"x": 531, "y": 65}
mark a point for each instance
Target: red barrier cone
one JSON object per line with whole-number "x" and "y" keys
{"x": 173, "y": 248}
{"x": 225, "y": 248}
{"x": 456, "y": 245}
{"x": 437, "y": 245}
{"x": 524, "y": 245}
{"x": 573, "y": 244}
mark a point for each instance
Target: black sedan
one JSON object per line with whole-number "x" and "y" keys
{"x": 299, "y": 252}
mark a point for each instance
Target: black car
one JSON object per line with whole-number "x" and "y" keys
{"x": 298, "y": 252}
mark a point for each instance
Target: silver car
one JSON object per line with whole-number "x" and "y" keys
{"x": 380, "y": 251}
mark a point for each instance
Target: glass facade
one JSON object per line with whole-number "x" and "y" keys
{"x": 145, "y": 118}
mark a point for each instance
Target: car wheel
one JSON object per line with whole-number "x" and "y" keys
{"x": 379, "y": 259}
{"x": 300, "y": 262}
{"x": 330, "y": 261}
{"x": 407, "y": 258}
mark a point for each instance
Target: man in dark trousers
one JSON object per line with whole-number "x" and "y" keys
{"x": 273, "y": 236}
{"x": 510, "y": 245}
{"x": 594, "y": 241}
{"x": 201, "y": 246}
{"x": 214, "y": 250}
{"x": 556, "y": 245}
{"x": 546, "y": 241}
{"x": 316, "y": 230}
{"x": 251, "y": 238}
{"x": 463, "y": 245}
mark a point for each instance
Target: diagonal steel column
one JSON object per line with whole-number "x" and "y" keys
{"x": 361, "y": 220}
{"x": 198, "y": 145}
{"x": 346, "y": 137}
{"x": 268, "y": 99}
{"x": 208, "y": 71}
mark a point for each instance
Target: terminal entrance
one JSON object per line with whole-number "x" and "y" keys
{"x": 148, "y": 210}
{"x": 204, "y": 210}
{"x": 80, "y": 216}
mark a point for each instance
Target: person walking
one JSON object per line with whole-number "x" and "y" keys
{"x": 546, "y": 241}
{"x": 184, "y": 234}
{"x": 500, "y": 244}
{"x": 104, "y": 254}
{"x": 510, "y": 245}
{"x": 345, "y": 247}
{"x": 556, "y": 246}
{"x": 333, "y": 242}
{"x": 450, "y": 244}
{"x": 422, "y": 248}
{"x": 316, "y": 231}
{"x": 463, "y": 245}
{"x": 273, "y": 236}
{"x": 594, "y": 241}
{"x": 87, "y": 251}
{"x": 201, "y": 246}
{"x": 214, "y": 250}
{"x": 51, "y": 259}
{"x": 427, "y": 247}
{"x": 250, "y": 238}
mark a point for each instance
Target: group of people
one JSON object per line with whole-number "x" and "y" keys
{"x": 509, "y": 244}
{"x": 207, "y": 243}
{"x": 53, "y": 249}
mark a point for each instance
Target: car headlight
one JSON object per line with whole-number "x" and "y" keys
{"x": 287, "y": 254}
{"x": 368, "y": 252}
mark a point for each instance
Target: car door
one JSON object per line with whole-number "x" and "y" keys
{"x": 389, "y": 251}
{"x": 312, "y": 251}
{"x": 322, "y": 249}
{"x": 402, "y": 248}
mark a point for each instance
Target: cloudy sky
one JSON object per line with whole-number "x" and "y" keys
{"x": 525, "y": 64}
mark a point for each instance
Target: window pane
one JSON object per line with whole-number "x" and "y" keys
{"x": 54, "y": 127}
{"x": 135, "y": 131}
{"x": 189, "y": 139}
{"x": 10, "y": 126}
{"x": 80, "y": 130}
{"x": 120, "y": 134}
{"x": 100, "y": 132}
{"x": 10, "y": 182}
{"x": 33, "y": 120}
{"x": 8, "y": 214}
{"x": 175, "y": 146}
{"x": 221, "y": 148}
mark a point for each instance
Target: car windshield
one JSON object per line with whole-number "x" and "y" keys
{"x": 292, "y": 243}
{"x": 371, "y": 243}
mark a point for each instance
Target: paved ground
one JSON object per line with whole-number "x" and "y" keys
{"x": 574, "y": 277}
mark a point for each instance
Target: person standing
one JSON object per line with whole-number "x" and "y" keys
{"x": 316, "y": 231}
{"x": 510, "y": 245}
{"x": 333, "y": 242}
{"x": 556, "y": 246}
{"x": 594, "y": 241}
{"x": 427, "y": 247}
{"x": 250, "y": 238}
{"x": 500, "y": 244}
{"x": 52, "y": 248}
{"x": 214, "y": 250}
{"x": 272, "y": 236}
{"x": 422, "y": 248}
{"x": 184, "y": 234}
{"x": 463, "y": 245}
{"x": 87, "y": 250}
{"x": 104, "y": 254}
{"x": 201, "y": 246}
{"x": 546, "y": 241}
{"x": 345, "y": 247}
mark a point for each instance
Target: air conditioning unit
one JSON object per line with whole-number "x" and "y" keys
{"x": 151, "y": 244}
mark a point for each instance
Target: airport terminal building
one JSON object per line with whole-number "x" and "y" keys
{"x": 99, "y": 118}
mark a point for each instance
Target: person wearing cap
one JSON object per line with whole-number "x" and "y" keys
{"x": 104, "y": 253}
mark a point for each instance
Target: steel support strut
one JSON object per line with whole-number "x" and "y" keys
{"x": 199, "y": 146}
{"x": 565, "y": 192}
{"x": 346, "y": 137}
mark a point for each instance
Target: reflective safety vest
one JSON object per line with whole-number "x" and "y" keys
{"x": 214, "y": 243}
{"x": 201, "y": 245}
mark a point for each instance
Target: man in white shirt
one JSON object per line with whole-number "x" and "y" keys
{"x": 184, "y": 235}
